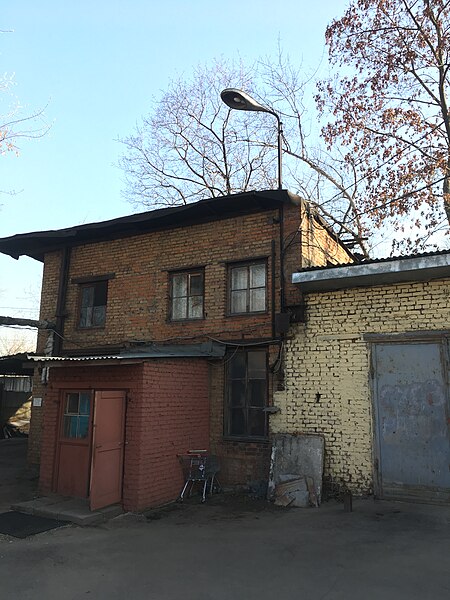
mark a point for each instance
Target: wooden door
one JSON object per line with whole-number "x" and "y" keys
{"x": 107, "y": 448}
{"x": 74, "y": 444}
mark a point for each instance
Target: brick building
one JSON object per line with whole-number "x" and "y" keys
{"x": 165, "y": 333}
{"x": 369, "y": 371}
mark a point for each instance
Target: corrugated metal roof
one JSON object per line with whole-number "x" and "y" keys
{"x": 152, "y": 351}
{"x": 35, "y": 244}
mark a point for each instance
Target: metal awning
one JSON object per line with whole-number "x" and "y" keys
{"x": 209, "y": 350}
{"x": 384, "y": 271}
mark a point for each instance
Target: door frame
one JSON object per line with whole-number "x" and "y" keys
{"x": 441, "y": 337}
{"x": 62, "y": 392}
{"x": 91, "y": 433}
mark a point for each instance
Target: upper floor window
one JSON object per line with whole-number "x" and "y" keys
{"x": 248, "y": 288}
{"x": 93, "y": 298}
{"x": 186, "y": 295}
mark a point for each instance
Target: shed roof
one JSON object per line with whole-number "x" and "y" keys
{"x": 414, "y": 267}
{"x": 36, "y": 244}
{"x": 208, "y": 349}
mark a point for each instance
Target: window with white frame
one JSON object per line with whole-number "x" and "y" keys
{"x": 186, "y": 295}
{"x": 248, "y": 287}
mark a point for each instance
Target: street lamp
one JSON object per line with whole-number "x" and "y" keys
{"x": 239, "y": 100}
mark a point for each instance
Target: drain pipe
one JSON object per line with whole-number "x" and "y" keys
{"x": 61, "y": 303}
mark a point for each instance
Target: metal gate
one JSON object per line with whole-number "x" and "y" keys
{"x": 411, "y": 404}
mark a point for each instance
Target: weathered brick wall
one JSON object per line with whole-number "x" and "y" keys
{"x": 327, "y": 367}
{"x": 167, "y": 414}
{"x": 138, "y": 296}
{"x": 172, "y": 417}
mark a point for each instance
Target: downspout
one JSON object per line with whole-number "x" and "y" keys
{"x": 61, "y": 303}
{"x": 273, "y": 271}
{"x": 282, "y": 290}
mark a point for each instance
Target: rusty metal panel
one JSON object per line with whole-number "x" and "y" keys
{"x": 107, "y": 452}
{"x": 412, "y": 426}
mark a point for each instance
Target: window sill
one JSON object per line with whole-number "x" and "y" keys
{"x": 248, "y": 314}
{"x": 191, "y": 320}
{"x": 246, "y": 440}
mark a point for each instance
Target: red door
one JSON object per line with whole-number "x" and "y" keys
{"x": 107, "y": 448}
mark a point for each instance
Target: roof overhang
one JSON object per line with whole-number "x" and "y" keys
{"x": 36, "y": 244}
{"x": 418, "y": 268}
{"x": 209, "y": 350}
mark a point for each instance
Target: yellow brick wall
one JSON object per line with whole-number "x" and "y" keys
{"x": 327, "y": 368}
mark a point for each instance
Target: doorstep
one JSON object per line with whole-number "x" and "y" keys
{"x": 74, "y": 510}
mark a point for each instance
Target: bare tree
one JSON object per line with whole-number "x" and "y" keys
{"x": 16, "y": 342}
{"x": 16, "y": 123}
{"x": 191, "y": 145}
{"x": 392, "y": 110}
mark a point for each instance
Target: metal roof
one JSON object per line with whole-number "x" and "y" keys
{"x": 204, "y": 350}
{"x": 416, "y": 267}
{"x": 36, "y": 244}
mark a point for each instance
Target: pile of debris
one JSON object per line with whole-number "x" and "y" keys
{"x": 296, "y": 491}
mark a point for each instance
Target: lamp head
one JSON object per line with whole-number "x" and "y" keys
{"x": 239, "y": 100}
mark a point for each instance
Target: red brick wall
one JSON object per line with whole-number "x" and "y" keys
{"x": 138, "y": 298}
{"x": 167, "y": 414}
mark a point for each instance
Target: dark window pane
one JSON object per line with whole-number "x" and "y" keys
{"x": 239, "y": 278}
{"x": 70, "y": 427}
{"x": 85, "y": 400}
{"x": 98, "y": 315}
{"x": 93, "y": 304}
{"x": 86, "y": 317}
{"x": 179, "y": 308}
{"x": 72, "y": 404}
{"x": 83, "y": 426}
{"x": 100, "y": 293}
{"x": 257, "y": 364}
{"x": 196, "y": 307}
{"x": 237, "y": 366}
{"x": 239, "y": 301}
{"x": 257, "y": 392}
{"x": 237, "y": 426}
{"x": 196, "y": 285}
{"x": 87, "y": 297}
{"x": 179, "y": 285}
{"x": 257, "y": 276}
{"x": 257, "y": 300}
{"x": 256, "y": 422}
{"x": 237, "y": 393}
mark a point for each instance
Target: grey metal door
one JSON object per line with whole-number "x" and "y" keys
{"x": 412, "y": 427}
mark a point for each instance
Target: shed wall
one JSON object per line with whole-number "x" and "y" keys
{"x": 167, "y": 414}
{"x": 327, "y": 368}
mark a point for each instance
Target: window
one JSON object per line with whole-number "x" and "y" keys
{"x": 247, "y": 284}
{"x": 246, "y": 395}
{"x": 93, "y": 297}
{"x": 76, "y": 415}
{"x": 186, "y": 293}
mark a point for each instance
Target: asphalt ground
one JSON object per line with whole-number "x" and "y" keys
{"x": 236, "y": 547}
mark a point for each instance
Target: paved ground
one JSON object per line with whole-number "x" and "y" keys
{"x": 18, "y": 482}
{"x": 235, "y": 548}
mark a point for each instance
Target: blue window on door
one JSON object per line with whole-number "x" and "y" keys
{"x": 77, "y": 406}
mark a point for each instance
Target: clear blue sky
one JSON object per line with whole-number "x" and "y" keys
{"x": 96, "y": 65}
